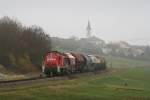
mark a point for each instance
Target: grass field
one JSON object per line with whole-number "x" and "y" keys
{"x": 127, "y": 79}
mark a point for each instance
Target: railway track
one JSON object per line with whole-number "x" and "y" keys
{"x": 21, "y": 84}
{"x": 20, "y": 80}
{"x": 34, "y": 80}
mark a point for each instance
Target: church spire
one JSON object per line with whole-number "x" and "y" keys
{"x": 88, "y": 29}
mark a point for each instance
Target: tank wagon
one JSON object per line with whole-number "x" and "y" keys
{"x": 57, "y": 63}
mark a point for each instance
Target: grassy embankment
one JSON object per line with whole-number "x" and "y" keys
{"x": 128, "y": 81}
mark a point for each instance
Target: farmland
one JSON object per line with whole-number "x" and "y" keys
{"x": 126, "y": 79}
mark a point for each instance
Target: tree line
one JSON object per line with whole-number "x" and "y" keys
{"x": 22, "y": 42}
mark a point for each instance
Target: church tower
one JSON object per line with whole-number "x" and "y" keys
{"x": 88, "y": 28}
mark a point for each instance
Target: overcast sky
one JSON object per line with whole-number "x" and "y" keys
{"x": 111, "y": 20}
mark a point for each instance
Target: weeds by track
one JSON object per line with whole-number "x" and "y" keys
{"x": 9, "y": 83}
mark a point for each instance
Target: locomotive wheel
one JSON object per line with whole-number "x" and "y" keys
{"x": 50, "y": 72}
{"x": 46, "y": 72}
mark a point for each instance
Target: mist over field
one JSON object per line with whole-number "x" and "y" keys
{"x": 74, "y": 49}
{"x": 125, "y": 20}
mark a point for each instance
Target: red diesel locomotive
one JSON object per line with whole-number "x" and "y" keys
{"x": 53, "y": 62}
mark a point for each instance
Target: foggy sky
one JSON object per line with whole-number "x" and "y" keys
{"x": 111, "y": 20}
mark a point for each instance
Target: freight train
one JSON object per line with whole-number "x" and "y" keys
{"x": 58, "y": 63}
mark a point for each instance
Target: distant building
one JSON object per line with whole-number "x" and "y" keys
{"x": 88, "y": 29}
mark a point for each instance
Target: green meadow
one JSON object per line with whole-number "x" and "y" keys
{"x": 125, "y": 79}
